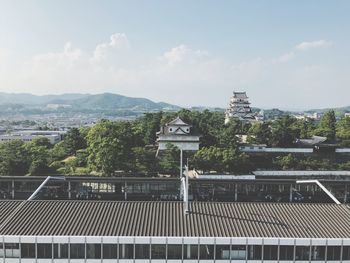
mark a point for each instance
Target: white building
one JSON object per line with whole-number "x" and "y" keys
{"x": 160, "y": 232}
{"x": 28, "y": 135}
{"x": 180, "y": 134}
{"x": 239, "y": 108}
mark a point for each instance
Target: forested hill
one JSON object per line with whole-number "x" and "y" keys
{"x": 104, "y": 101}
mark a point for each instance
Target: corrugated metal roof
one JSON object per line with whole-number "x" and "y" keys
{"x": 6, "y": 208}
{"x": 100, "y": 218}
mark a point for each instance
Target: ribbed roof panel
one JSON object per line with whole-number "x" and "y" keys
{"x": 111, "y": 218}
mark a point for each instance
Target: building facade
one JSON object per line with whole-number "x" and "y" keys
{"x": 28, "y": 135}
{"x": 139, "y": 232}
{"x": 239, "y": 108}
{"x": 178, "y": 133}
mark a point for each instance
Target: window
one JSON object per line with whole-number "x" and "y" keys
{"x": 206, "y": 252}
{"x": 346, "y": 252}
{"x": 77, "y": 250}
{"x": 302, "y": 253}
{"x": 333, "y": 253}
{"x": 190, "y": 252}
{"x": 222, "y": 251}
{"x": 110, "y": 251}
{"x": 44, "y": 250}
{"x": 158, "y": 251}
{"x": 126, "y": 251}
{"x": 286, "y": 252}
{"x": 12, "y": 250}
{"x": 93, "y": 251}
{"x": 254, "y": 252}
{"x": 238, "y": 252}
{"x": 174, "y": 251}
{"x": 318, "y": 253}
{"x": 27, "y": 250}
{"x": 60, "y": 250}
{"x": 270, "y": 252}
{"x": 142, "y": 251}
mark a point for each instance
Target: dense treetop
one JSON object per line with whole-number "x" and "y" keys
{"x": 111, "y": 147}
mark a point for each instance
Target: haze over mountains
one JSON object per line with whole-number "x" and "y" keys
{"x": 27, "y": 103}
{"x": 104, "y": 101}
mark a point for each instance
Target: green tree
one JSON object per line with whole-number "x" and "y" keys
{"x": 327, "y": 126}
{"x": 74, "y": 141}
{"x": 306, "y": 128}
{"x": 39, "y": 152}
{"x": 59, "y": 152}
{"x": 343, "y": 132}
{"x": 209, "y": 159}
{"x": 145, "y": 160}
{"x": 14, "y": 158}
{"x": 284, "y": 132}
{"x": 260, "y": 133}
{"x": 285, "y": 162}
{"x": 228, "y": 135}
{"x": 110, "y": 147}
{"x": 169, "y": 160}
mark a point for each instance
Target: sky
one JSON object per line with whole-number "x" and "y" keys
{"x": 284, "y": 54}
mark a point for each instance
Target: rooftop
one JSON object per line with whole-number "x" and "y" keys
{"x": 113, "y": 218}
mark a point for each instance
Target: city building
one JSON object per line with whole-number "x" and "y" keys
{"x": 239, "y": 108}
{"x": 28, "y": 135}
{"x": 178, "y": 133}
{"x": 139, "y": 232}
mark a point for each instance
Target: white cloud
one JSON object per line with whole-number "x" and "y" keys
{"x": 181, "y": 75}
{"x": 182, "y": 53}
{"x": 118, "y": 41}
{"x": 284, "y": 58}
{"x": 313, "y": 44}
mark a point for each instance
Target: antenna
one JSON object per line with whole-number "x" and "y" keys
{"x": 185, "y": 190}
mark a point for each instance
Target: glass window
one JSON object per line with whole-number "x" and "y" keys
{"x": 93, "y": 251}
{"x": 346, "y": 253}
{"x": 302, "y": 253}
{"x": 27, "y": 250}
{"x": 44, "y": 250}
{"x": 158, "y": 251}
{"x": 60, "y": 250}
{"x": 174, "y": 251}
{"x": 286, "y": 252}
{"x": 190, "y": 252}
{"x": 126, "y": 251}
{"x": 255, "y": 252}
{"x": 110, "y": 251}
{"x": 318, "y": 253}
{"x": 333, "y": 253}
{"x": 270, "y": 252}
{"x": 12, "y": 250}
{"x": 222, "y": 251}
{"x": 206, "y": 252}
{"x": 238, "y": 252}
{"x": 142, "y": 251}
{"x": 77, "y": 250}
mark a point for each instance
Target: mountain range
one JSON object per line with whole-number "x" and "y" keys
{"x": 110, "y": 103}
{"x": 76, "y": 101}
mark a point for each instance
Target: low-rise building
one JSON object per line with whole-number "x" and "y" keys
{"x": 125, "y": 232}
{"x": 28, "y": 135}
{"x": 180, "y": 134}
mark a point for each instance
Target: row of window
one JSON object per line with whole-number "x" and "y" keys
{"x": 174, "y": 251}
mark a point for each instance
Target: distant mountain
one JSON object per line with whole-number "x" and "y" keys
{"x": 339, "y": 110}
{"x": 30, "y": 99}
{"x": 114, "y": 101}
{"x": 104, "y": 101}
